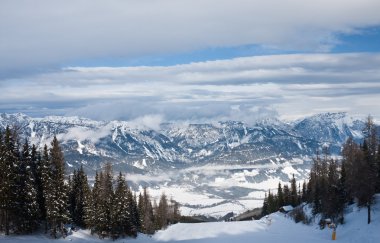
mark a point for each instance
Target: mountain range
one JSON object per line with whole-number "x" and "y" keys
{"x": 230, "y": 162}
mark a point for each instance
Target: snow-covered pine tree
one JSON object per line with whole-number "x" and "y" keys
{"x": 8, "y": 196}
{"x": 121, "y": 224}
{"x": 133, "y": 214}
{"x": 29, "y": 205}
{"x": 57, "y": 208}
{"x": 92, "y": 216}
{"x": 105, "y": 201}
{"x": 43, "y": 183}
{"x": 146, "y": 213}
{"x": 79, "y": 194}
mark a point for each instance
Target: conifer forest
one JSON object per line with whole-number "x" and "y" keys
{"x": 37, "y": 195}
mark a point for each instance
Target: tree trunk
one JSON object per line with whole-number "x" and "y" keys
{"x": 369, "y": 212}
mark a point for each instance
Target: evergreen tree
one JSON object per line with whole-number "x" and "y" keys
{"x": 29, "y": 206}
{"x": 120, "y": 213}
{"x": 287, "y": 195}
{"x": 304, "y": 192}
{"x": 280, "y": 196}
{"x": 174, "y": 214}
{"x": 3, "y": 182}
{"x": 162, "y": 212}
{"x": 104, "y": 203}
{"x": 57, "y": 206}
{"x": 146, "y": 213}
{"x": 8, "y": 190}
{"x": 79, "y": 197}
{"x": 265, "y": 208}
{"x": 293, "y": 192}
{"x": 332, "y": 205}
{"x": 133, "y": 214}
{"x": 272, "y": 203}
{"x": 93, "y": 220}
{"x": 378, "y": 170}
{"x": 44, "y": 177}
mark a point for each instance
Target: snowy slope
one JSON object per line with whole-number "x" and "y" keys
{"x": 279, "y": 229}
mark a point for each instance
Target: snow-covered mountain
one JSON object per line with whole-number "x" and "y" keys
{"x": 224, "y": 161}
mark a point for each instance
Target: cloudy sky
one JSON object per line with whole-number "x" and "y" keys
{"x": 189, "y": 60}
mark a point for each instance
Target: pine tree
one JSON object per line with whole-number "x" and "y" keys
{"x": 304, "y": 192}
{"x": 8, "y": 192}
{"x": 272, "y": 204}
{"x": 293, "y": 192}
{"x": 57, "y": 208}
{"x": 332, "y": 205}
{"x": 104, "y": 201}
{"x": 133, "y": 214}
{"x": 378, "y": 170}
{"x": 280, "y": 196}
{"x": 120, "y": 213}
{"x": 44, "y": 177}
{"x": 29, "y": 206}
{"x": 93, "y": 219}
{"x": 287, "y": 195}
{"x": 265, "y": 209}
{"x": 162, "y": 212}
{"x": 146, "y": 213}
{"x": 3, "y": 181}
{"x": 79, "y": 197}
{"x": 174, "y": 214}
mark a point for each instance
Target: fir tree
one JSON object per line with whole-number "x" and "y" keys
{"x": 104, "y": 201}
{"x": 57, "y": 208}
{"x": 29, "y": 205}
{"x": 287, "y": 195}
{"x": 120, "y": 213}
{"x": 146, "y": 213}
{"x": 162, "y": 212}
{"x": 8, "y": 193}
{"x": 265, "y": 209}
{"x": 280, "y": 196}
{"x": 293, "y": 192}
{"x": 79, "y": 197}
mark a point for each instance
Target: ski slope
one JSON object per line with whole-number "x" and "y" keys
{"x": 278, "y": 228}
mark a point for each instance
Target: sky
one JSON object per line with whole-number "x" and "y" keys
{"x": 154, "y": 61}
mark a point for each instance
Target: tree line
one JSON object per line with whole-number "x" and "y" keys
{"x": 35, "y": 193}
{"x": 334, "y": 184}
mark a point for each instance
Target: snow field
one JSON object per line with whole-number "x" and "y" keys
{"x": 277, "y": 228}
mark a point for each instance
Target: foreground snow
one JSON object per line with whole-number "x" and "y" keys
{"x": 278, "y": 229}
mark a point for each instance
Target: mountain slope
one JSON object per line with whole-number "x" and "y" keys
{"x": 227, "y": 165}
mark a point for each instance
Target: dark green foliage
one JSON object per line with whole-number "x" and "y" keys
{"x": 34, "y": 191}
{"x": 29, "y": 207}
{"x": 280, "y": 196}
{"x": 293, "y": 192}
{"x": 56, "y": 197}
{"x": 79, "y": 197}
{"x": 146, "y": 213}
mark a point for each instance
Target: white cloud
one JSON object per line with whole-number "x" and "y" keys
{"x": 44, "y": 34}
{"x": 82, "y": 134}
{"x": 240, "y": 89}
{"x": 147, "y": 121}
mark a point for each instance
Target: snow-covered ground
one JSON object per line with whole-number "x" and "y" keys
{"x": 278, "y": 229}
